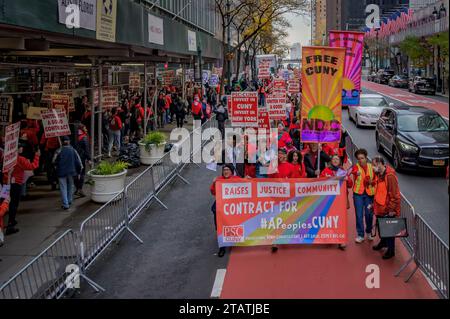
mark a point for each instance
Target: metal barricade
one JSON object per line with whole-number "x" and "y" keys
{"x": 45, "y": 276}
{"x": 427, "y": 250}
{"x": 139, "y": 192}
{"x": 100, "y": 229}
{"x": 432, "y": 257}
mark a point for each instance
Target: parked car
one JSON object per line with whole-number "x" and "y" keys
{"x": 399, "y": 81}
{"x": 383, "y": 76}
{"x": 414, "y": 137}
{"x": 371, "y": 77}
{"x": 422, "y": 85}
{"x": 369, "y": 110}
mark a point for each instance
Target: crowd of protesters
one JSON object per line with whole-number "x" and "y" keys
{"x": 374, "y": 185}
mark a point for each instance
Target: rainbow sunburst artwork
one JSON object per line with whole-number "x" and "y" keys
{"x": 322, "y": 80}
{"x": 353, "y": 42}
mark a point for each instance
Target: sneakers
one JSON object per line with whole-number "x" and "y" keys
{"x": 359, "y": 240}
{"x": 80, "y": 194}
{"x": 370, "y": 237}
{"x": 221, "y": 252}
{"x": 342, "y": 247}
{"x": 388, "y": 255}
{"x": 378, "y": 247}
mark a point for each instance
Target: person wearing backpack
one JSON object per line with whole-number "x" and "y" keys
{"x": 115, "y": 127}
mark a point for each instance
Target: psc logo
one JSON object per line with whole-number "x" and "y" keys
{"x": 233, "y": 234}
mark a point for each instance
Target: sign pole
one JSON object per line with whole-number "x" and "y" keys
{"x": 145, "y": 98}
{"x": 318, "y": 157}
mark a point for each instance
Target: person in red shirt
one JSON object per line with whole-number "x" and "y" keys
{"x": 167, "y": 107}
{"x": 16, "y": 181}
{"x": 4, "y": 206}
{"x": 115, "y": 127}
{"x": 283, "y": 136}
{"x": 197, "y": 111}
{"x": 296, "y": 160}
{"x": 387, "y": 201}
{"x": 285, "y": 169}
{"x": 227, "y": 174}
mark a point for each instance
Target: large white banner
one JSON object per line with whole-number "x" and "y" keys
{"x": 192, "y": 40}
{"x": 87, "y": 10}
{"x": 155, "y": 30}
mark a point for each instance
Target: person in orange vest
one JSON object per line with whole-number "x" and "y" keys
{"x": 363, "y": 192}
{"x": 386, "y": 201}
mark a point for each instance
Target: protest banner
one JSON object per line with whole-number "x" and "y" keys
{"x": 6, "y": 105}
{"x": 264, "y": 70}
{"x": 135, "y": 81}
{"x": 321, "y": 112}
{"x": 244, "y": 109}
{"x": 60, "y": 102}
{"x": 263, "y": 118}
{"x": 55, "y": 123}
{"x": 10, "y": 153}
{"x": 256, "y": 212}
{"x": 49, "y": 89}
{"x": 214, "y": 80}
{"x": 276, "y": 105}
{"x": 110, "y": 98}
{"x": 34, "y": 113}
{"x": 353, "y": 42}
{"x": 294, "y": 86}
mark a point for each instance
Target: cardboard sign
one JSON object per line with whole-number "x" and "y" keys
{"x": 276, "y": 105}
{"x": 294, "y": 86}
{"x": 48, "y": 89}
{"x": 10, "y": 154}
{"x": 244, "y": 109}
{"x": 263, "y": 118}
{"x": 135, "y": 81}
{"x": 110, "y": 98}
{"x": 55, "y": 123}
{"x": 264, "y": 70}
{"x": 60, "y": 102}
{"x": 6, "y": 104}
{"x": 34, "y": 113}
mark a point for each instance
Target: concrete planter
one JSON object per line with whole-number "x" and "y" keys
{"x": 106, "y": 187}
{"x": 154, "y": 155}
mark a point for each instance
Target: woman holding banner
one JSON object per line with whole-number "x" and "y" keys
{"x": 336, "y": 170}
{"x": 227, "y": 174}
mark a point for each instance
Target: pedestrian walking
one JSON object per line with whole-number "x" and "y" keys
{"x": 16, "y": 181}
{"x": 221, "y": 117}
{"x": 68, "y": 165}
{"x": 387, "y": 201}
{"x": 363, "y": 192}
{"x": 4, "y": 206}
{"x": 227, "y": 174}
{"x": 83, "y": 150}
{"x": 115, "y": 128}
{"x": 180, "y": 112}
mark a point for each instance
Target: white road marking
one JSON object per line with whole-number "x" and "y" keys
{"x": 218, "y": 283}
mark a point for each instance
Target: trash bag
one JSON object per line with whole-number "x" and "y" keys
{"x": 168, "y": 148}
{"x": 130, "y": 153}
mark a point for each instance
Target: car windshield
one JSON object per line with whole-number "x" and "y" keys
{"x": 421, "y": 123}
{"x": 373, "y": 101}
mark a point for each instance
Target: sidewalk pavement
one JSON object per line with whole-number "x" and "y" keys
{"x": 41, "y": 220}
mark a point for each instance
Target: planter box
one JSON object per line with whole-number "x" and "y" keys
{"x": 107, "y": 187}
{"x": 152, "y": 157}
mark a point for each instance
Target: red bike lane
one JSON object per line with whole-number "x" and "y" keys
{"x": 408, "y": 98}
{"x": 321, "y": 272}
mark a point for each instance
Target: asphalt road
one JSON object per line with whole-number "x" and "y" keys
{"x": 178, "y": 258}
{"x": 425, "y": 190}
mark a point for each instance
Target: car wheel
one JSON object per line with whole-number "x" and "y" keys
{"x": 349, "y": 115}
{"x": 379, "y": 146}
{"x": 357, "y": 122}
{"x": 397, "y": 163}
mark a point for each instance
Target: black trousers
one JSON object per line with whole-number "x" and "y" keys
{"x": 180, "y": 121}
{"x": 15, "y": 194}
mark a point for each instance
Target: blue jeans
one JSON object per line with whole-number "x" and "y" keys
{"x": 362, "y": 212}
{"x": 66, "y": 190}
{"x": 114, "y": 138}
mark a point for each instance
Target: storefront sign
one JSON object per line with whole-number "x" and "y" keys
{"x": 155, "y": 30}
{"x": 192, "y": 41}
{"x": 106, "y": 20}
{"x": 86, "y": 9}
